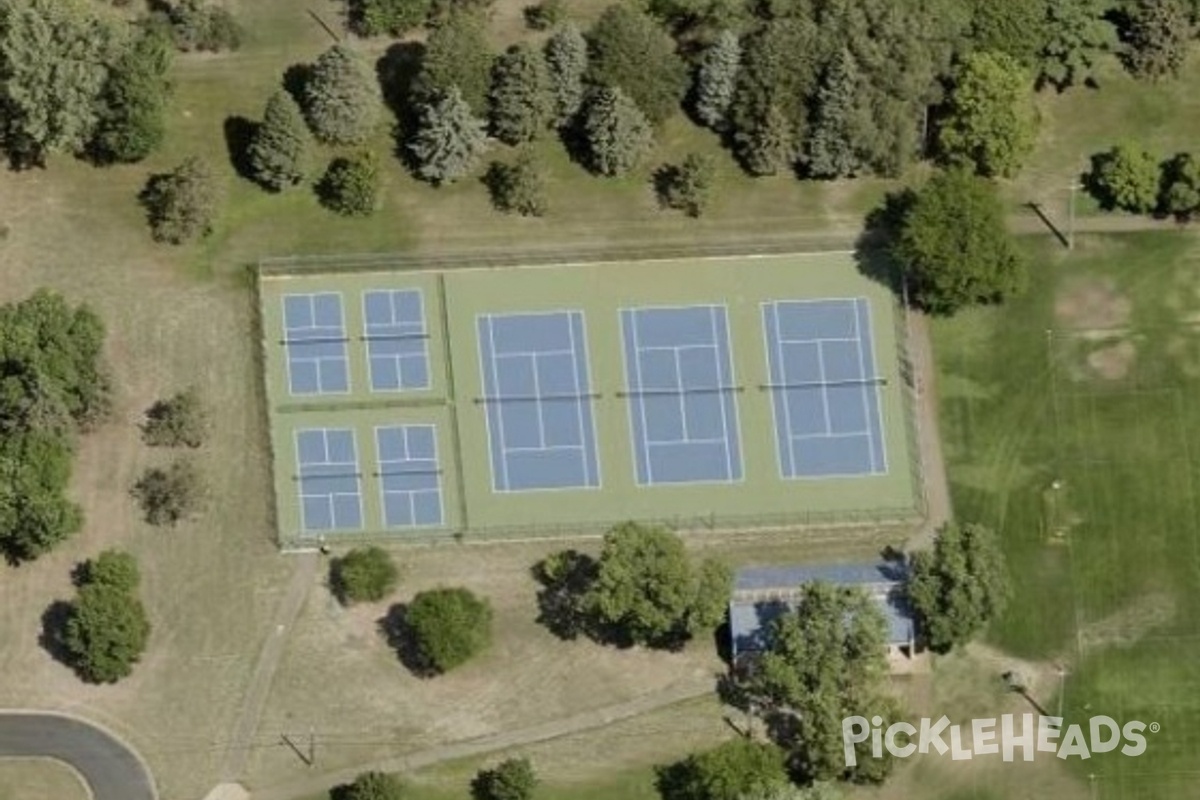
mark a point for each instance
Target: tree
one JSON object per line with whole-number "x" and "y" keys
{"x": 617, "y": 133}
{"x": 116, "y": 569}
{"x": 824, "y": 662}
{"x": 194, "y": 25}
{"x": 1157, "y": 38}
{"x": 1126, "y": 177}
{"x": 545, "y": 15}
{"x": 833, "y": 146}
{"x": 449, "y": 627}
{"x": 171, "y": 494}
{"x": 511, "y": 779}
{"x": 372, "y": 786}
{"x": 821, "y": 790}
{"x": 687, "y": 186}
{"x": 647, "y": 588}
{"x": 341, "y": 98}
{"x": 519, "y": 187}
{"x": 716, "y": 79}
{"x": 106, "y": 632}
{"x": 1076, "y": 34}
{"x": 278, "y": 154}
{"x": 393, "y": 17}
{"x": 954, "y": 246}
{"x": 458, "y": 56}
{"x": 769, "y": 145}
{"x": 364, "y": 575}
{"x": 351, "y": 185}
{"x": 727, "y": 772}
{"x": 991, "y": 124}
{"x": 567, "y": 62}
{"x": 630, "y": 52}
{"x": 1014, "y": 27}
{"x": 180, "y": 420}
{"x": 959, "y": 586}
{"x": 35, "y": 514}
{"x": 181, "y": 204}
{"x": 522, "y": 106}
{"x": 1181, "y": 186}
{"x": 54, "y": 63}
{"x": 449, "y": 141}
{"x": 133, "y": 103}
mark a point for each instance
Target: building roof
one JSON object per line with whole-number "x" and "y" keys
{"x": 763, "y": 594}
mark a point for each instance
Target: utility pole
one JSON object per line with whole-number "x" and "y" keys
{"x": 312, "y": 745}
{"x": 1071, "y": 217}
{"x": 1062, "y": 684}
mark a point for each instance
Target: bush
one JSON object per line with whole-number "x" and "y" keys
{"x": 513, "y": 779}
{"x": 350, "y": 186}
{"x": 364, "y": 575}
{"x": 687, "y": 186}
{"x": 171, "y": 494}
{"x": 113, "y": 568}
{"x": 178, "y": 421}
{"x": 196, "y": 26}
{"x": 372, "y": 786}
{"x": 106, "y": 632}
{"x": 1181, "y": 186}
{"x": 727, "y": 772}
{"x": 1127, "y": 177}
{"x": 394, "y": 17}
{"x": 449, "y": 627}
{"x": 520, "y": 187}
{"x": 181, "y": 204}
{"x": 545, "y": 15}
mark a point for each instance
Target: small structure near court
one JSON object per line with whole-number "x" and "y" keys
{"x": 763, "y": 594}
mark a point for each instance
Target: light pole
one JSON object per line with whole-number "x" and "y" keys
{"x": 1062, "y": 683}
{"x": 1071, "y": 217}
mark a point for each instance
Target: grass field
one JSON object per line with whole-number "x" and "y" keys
{"x": 38, "y": 778}
{"x": 1090, "y": 381}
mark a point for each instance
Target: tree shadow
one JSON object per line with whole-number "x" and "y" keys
{"x": 398, "y": 70}
{"x": 52, "y": 639}
{"x": 566, "y": 578}
{"x": 399, "y": 635}
{"x": 239, "y": 133}
{"x": 872, "y": 250}
{"x": 295, "y": 81}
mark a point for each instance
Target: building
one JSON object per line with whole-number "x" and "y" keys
{"x": 762, "y": 594}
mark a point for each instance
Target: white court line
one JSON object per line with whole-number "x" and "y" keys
{"x": 866, "y": 306}
{"x": 537, "y": 402}
{"x": 594, "y": 459}
{"x": 712, "y": 321}
{"x": 534, "y": 353}
{"x": 487, "y": 363}
{"x": 683, "y": 415}
{"x": 579, "y": 403}
{"x": 853, "y": 435}
{"x": 546, "y": 448}
{"x": 639, "y": 400}
{"x": 820, "y": 339}
{"x": 671, "y": 442}
{"x": 824, "y": 394}
{"x": 862, "y": 371}
{"x": 787, "y": 409}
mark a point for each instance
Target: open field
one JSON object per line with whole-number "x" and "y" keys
{"x": 1089, "y": 381}
{"x": 37, "y": 778}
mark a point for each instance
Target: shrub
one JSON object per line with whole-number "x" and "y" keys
{"x": 1127, "y": 177}
{"x": 106, "y": 632}
{"x": 519, "y": 187}
{"x": 351, "y": 185}
{"x": 727, "y": 772}
{"x": 512, "y": 779}
{"x": 113, "y": 568}
{"x": 545, "y": 15}
{"x": 181, "y": 204}
{"x": 449, "y": 627}
{"x": 687, "y": 186}
{"x": 195, "y": 25}
{"x": 1181, "y": 186}
{"x": 373, "y": 786}
{"x": 394, "y": 17}
{"x": 170, "y": 494}
{"x": 178, "y": 421}
{"x": 364, "y": 575}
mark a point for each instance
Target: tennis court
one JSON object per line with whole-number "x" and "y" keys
{"x": 410, "y": 477}
{"x": 329, "y": 481}
{"x": 397, "y": 350}
{"x": 682, "y": 397}
{"x": 825, "y": 388}
{"x": 538, "y": 402}
{"x": 315, "y": 337}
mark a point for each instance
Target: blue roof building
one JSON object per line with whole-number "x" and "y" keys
{"x": 763, "y": 594}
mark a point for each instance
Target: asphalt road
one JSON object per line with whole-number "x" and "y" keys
{"x": 113, "y": 771}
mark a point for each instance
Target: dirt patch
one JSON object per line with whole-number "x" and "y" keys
{"x": 1113, "y": 362}
{"x": 1091, "y": 303}
{"x": 1130, "y": 623}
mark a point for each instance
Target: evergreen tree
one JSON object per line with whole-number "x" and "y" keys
{"x": 1158, "y": 37}
{"x": 769, "y": 146}
{"x": 350, "y": 186}
{"x": 832, "y": 148}
{"x": 519, "y": 187}
{"x": 133, "y": 104}
{"x": 991, "y": 125}
{"x": 457, "y": 56}
{"x": 618, "y": 134}
{"x": 341, "y": 99}
{"x": 631, "y": 52}
{"x": 716, "y": 79}
{"x": 182, "y": 203}
{"x": 567, "y": 61}
{"x": 449, "y": 140}
{"x": 278, "y": 154}
{"x": 688, "y": 186}
{"x": 521, "y": 104}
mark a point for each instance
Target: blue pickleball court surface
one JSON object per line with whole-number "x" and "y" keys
{"x": 397, "y": 340}
{"x": 682, "y": 397}
{"x": 328, "y": 479}
{"x": 538, "y": 398}
{"x": 825, "y": 389}
{"x": 410, "y": 476}
{"x": 315, "y": 338}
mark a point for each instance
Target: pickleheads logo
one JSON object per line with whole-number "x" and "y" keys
{"x": 995, "y": 736}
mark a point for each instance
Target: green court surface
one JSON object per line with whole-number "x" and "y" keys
{"x": 458, "y": 498}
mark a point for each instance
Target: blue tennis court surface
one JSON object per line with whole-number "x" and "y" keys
{"x": 824, "y": 386}
{"x": 683, "y": 409}
{"x": 397, "y": 342}
{"x": 315, "y": 338}
{"x": 409, "y": 476}
{"x": 541, "y": 432}
{"x": 328, "y": 478}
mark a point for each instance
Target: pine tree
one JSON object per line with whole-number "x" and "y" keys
{"x": 350, "y": 186}
{"x": 618, "y": 134}
{"x": 457, "y": 56}
{"x": 769, "y": 146}
{"x": 631, "y": 51}
{"x": 832, "y": 152}
{"x": 279, "y": 152}
{"x": 521, "y": 103}
{"x": 341, "y": 99}
{"x": 716, "y": 80}
{"x": 567, "y": 60}
{"x": 449, "y": 141}
{"x": 519, "y": 187}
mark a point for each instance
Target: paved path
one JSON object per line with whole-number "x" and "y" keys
{"x": 111, "y": 768}
{"x": 255, "y": 700}
{"x": 590, "y": 720}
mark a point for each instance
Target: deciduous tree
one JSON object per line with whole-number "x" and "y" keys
{"x": 1013, "y": 27}
{"x": 1158, "y": 37}
{"x": 133, "y": 103}
{"x": 180, "y": 420}
{"x": 1076, "y": 34}
{"x": 727, "y": 772}
{"x": 35, "y": 514}
{"x": 687, "y": 186}
{"x": 351, "y": 185}
{"x": 631, "y": 52}
{"x": 170, "y": 494}
{"x": 959, "y": 585}
{"x": 373, "y": 786}
{"x": 1126, "y": 177}
{"x": 114, "y": 568}
{"x": 458, "y": 56}
{"x": 991, "y": 124}
{"x": 519, "y": 187}
{"x": 449, "y": 627}
{"x": 107, "y": 629}
{"x": 394, "y": 17}
{"x": 1181, "y": 186}
{"x": 511, "y": 779}
{"x": 181, "y": 204}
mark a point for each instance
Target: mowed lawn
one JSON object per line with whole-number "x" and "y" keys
{"x": 1091, "y": 381}
{"x": 36, "y": 778}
